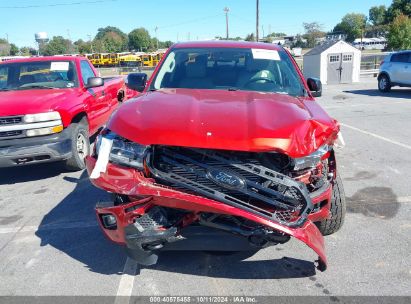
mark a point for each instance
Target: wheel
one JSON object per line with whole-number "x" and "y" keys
{"x": 337, "y": 210}
{"x": 80, "y": 146}
{"x": 384, "y": 84}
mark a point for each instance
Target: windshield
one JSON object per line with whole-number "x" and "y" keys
{"x": 229, "y": 69}
{"x": 37, "y": 74}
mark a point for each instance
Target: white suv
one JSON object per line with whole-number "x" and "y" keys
{"x": 395, "y": 70}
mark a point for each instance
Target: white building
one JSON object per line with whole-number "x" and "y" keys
{"x": 333, "y": 62}
{"x": 370, "y": 43}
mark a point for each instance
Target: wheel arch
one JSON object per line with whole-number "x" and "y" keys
{"x": 384, "y": 74}
{"x": 79, "y": 117}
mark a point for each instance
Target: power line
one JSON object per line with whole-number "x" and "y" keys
{"x": 56, "y": 4}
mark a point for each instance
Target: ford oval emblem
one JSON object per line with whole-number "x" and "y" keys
{"x": 226, "y": 179}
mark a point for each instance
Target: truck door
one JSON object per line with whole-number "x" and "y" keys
{"x": 97, "y": 100}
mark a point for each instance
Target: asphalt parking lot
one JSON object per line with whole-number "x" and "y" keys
{"x": 50, "y": 243}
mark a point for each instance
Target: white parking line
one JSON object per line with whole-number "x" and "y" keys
{"x": 125, "y": 286}
{"x": 73, "y": 225}
{"x": 378, "y": 136}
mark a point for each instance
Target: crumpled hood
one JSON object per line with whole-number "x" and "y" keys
{"x": 230, "y": 120}
{"x": 33, "y": 101}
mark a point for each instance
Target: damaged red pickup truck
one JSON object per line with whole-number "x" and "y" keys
{"x": 225, "y": 150}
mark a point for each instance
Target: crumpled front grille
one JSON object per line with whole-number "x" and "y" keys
{"x": 236, "y": 178}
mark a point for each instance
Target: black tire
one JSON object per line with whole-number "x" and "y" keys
{"x": 384, "y": 83}
{"x": 80, "y": 146}
{"x": 337, "y": 209}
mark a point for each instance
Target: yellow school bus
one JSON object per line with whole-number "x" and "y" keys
{"x": 105, "y": 59}
{"x": 129, "y": 60}
{"x": 147, "y": 60}
{"x": 96, "y": 59}
{"x": 114, "y": 59}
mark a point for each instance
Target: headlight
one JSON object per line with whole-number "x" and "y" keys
{"x": 44, "y": 131}
{"x": 311, "y": 160}
{"x": 30, "y": 118}
{"x": 123, "y": 151}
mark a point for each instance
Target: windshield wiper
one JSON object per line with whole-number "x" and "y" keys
{"x": 4, "y": 89}
{"x": 36, "y": 86}
{"x": 232, "y": 89}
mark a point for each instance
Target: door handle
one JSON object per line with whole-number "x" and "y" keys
{"x": 103, "y": 93}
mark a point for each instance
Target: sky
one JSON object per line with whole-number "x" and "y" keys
{"x": 176, "y": 20}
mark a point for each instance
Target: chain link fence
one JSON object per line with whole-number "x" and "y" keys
{"x": 116, "y": 71}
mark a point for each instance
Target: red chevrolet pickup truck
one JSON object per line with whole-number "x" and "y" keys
{"x": 50, "y": 106}
{"x": 225, "y": 150}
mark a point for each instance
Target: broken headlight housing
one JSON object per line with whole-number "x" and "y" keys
{"x": 312, "y": 160}
{"x": 120, "y": 150}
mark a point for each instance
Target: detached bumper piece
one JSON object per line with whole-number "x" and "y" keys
{"x": 235, "y": 178}
{"x": 147, "y": 233}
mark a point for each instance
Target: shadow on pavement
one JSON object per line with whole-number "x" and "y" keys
{"x": 15, "y": 175}
{"x": 232, "y": 267}
{"x": 395, "y": 93}
{"x": 87, "y": 244}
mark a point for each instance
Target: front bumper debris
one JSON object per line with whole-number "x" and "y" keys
{"x": 132, "y": 183}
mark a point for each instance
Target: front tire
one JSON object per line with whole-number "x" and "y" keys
{"x": 384, "y": 84}
{"x": 80, "y": 146}
{"x": 337, "y": 210}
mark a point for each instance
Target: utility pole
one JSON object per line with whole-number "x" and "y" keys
{"x": 7, "y": 38}
{"x": 155, "y": 30}
{"x": 226, "y": 10}
{"x": 257, "y": 20}
{"x": 91, "y": 43}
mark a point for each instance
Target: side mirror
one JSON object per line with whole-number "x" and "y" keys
{"x": 136, "y": 81}
{"x": 315, "y": 86}
{"x": 93, "y": 82}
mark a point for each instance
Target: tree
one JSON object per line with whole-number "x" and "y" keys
{"x": 56, "y": 46}
{"x": 83, "y": 47}
{"x": 139, "y": 39}
{"x": 313, "y": 31}
{"x": 14, "y": 50}
{"x": 4, "y": 47}
{"x": 277, "y": 34}
{"x": 299, "y": 42}
{"x": 353, "y": 25}
{"x": 377, "y": 15}
{"x": 250, "y": 37}
{"x": 114, "y": 43}
{"x": 399, "y": 35}
{"x": 168, "y": 43}
{"x": 397, "y": 8}
{"x": 154, "y": 44}
{"x": 28, "y": 51}
{"x": 110, "y": 39}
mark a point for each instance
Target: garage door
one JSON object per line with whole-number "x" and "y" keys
{"x": 340, "y": 68}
